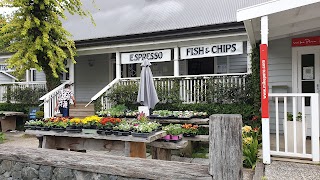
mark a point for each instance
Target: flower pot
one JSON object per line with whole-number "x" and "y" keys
{"x": 167, "y": 137}
{"x": 137, "y": 134}
{"x": 117, "y": 133}
{"x": 70, "y": 130}
{"x": 108, "y": 132}
{"x": 101, "y": 132}
{"x": 58, "y": 129}
{"x": 125, "y": 133}
{"x": 46, "y": 128}
{"x": 175, "y": 137}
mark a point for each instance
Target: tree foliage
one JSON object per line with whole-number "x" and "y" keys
{"x": 37, "y": 37}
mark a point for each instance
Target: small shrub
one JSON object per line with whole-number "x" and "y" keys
{"x": 2, "y": 137}
{"x": 39, "y": 114}
{"x": 24, "y": 95}
{"x": 124, "y": 94}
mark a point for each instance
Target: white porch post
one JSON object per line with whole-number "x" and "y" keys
{"x": 264, "y": 92}
{"x": 315, "y": 127}
{"x": 46, "y": 108}
{"x": 176, "y": 72}
{"x": 71, "y": 74}
{"x": 27, "y": 75}
{"x": 118, "y": 65}
{"x": 249, "y": 66}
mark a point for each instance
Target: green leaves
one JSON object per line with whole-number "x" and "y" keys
{"x": 36, "y": 37}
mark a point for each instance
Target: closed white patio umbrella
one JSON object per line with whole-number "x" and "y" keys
{"x": 147, "y": 94}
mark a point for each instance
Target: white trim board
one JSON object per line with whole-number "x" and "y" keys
{"x": 271, "y": 7}
{"x": 7, "y": 74}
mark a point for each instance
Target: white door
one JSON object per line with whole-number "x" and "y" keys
{"x": 308, "y": 76}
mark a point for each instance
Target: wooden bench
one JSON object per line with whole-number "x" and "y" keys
{"x": 8, "y": 120}
{"x": 192, "y": 143}
{"x": 162, "y": 150}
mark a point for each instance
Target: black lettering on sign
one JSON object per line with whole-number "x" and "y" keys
{"x": 207, "y": 50}
{"x": 234, "y": 47}
{"x": 149, "y": 56}
{"x": 189, "y": 51}
{"x": 131, "y": 57}
{"x": 228, "y": 47}
{"x": 214, "y": 49}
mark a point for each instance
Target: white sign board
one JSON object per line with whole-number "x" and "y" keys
{"x": 223, "y": 49}
{"x": 152, "y": 56}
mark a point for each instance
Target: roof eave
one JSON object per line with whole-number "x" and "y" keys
{"x": 187, "y": 32}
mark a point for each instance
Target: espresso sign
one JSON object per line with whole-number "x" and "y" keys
{"x": 152, "y": 56}
{"x": 223, "y": 49}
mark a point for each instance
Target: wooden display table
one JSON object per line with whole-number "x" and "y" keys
{"x": 132, "y": 146}
{"x": 8, "y": 120}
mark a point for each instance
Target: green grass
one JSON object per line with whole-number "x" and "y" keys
{"x": 201, "y": 151}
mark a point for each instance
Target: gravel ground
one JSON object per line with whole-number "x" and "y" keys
{"x": 279, "y": 170}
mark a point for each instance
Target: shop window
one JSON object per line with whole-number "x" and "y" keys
{"x": 222, "y": 65}
{"x": 34, "y": 75}
{"x": 132, "y": 70}
{"x": 201, "y": 66}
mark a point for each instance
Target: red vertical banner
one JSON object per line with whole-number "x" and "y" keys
{"x": 264, "y": 81}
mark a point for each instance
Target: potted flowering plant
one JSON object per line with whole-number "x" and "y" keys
{"x": 32, "y": 124}
{"x": 90, "y": 124}
{"x": 59, "y": 126}
{"x": 174, "y": 130}
{"x": 142, "y": 117}
{"x": 142, "y": 130}
{"x": 189, "y": 130}
{"x": 124, "y": 128}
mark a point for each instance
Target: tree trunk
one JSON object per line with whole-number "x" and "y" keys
{"x": 52, "y": 82}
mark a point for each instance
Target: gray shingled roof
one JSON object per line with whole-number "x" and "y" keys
{"x": 126, "y": 17}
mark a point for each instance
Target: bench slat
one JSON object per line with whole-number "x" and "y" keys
{"x": 169, "y": 145}
{"x": 202, "y": 138}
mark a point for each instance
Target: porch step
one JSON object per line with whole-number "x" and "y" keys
{"x": 81, "y": 111}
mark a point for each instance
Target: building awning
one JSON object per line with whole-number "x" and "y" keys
{"x": 286, "y": 18}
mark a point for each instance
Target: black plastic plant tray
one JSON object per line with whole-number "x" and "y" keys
{"x": 142, "y": 135}
{"x": 58, "y": 129}
{"x": 74, "y": 130}
{"x": 101, "y": 132}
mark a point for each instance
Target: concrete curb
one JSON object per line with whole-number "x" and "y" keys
{"x": 259, "y": 171}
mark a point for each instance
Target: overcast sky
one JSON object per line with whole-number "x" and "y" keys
{"x": 4, "y": 10}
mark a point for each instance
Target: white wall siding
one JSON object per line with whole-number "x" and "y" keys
{"x": 280, "y": 74}
{"x": 90, "y": 79}
{"x": 4, "y": 78}
{"x": 39, "y": 76}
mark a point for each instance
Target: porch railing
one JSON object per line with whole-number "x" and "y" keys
{"x": 7, "y": 89}
{"x": 50, "y": 100}
{"x": 290, "y": 137}
{"x": 191, "y": 88}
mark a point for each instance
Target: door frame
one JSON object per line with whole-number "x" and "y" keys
{"x": 297, "y": 79}
{"x": 296, "y": 67}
